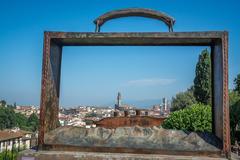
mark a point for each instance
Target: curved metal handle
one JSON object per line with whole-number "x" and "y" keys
{"x": 169, "y": 21}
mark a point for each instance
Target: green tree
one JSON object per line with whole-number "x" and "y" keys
{"x": 21, "y": 120}
{"x": 183, "y": 99}
{"x": 234, "y": 97}
{"x": 33, "y": 122}
{"x": 234, "y": 119}
{"x": 7, "y": 118}
{"x": 234, "y": 105}
{"x": 202, "y": 81}
{"x": 91, "y": 114}
{"x": 3, "y": 103}
{"x": 198, "y": 117}
{"x": 237, "y": 83}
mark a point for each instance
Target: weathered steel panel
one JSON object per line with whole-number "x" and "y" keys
{"x": 144, "y": 121}
{"x": 218, "y": 91}
{"x": 226, "y": 119}
{"x": 51, "y": 70}
{"x": 136, "y": 38}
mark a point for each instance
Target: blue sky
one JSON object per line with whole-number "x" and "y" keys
{"x": 21, "y": 40}
{"x": 94, "y": 75}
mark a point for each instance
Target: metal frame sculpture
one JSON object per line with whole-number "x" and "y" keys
{"x": 51, "y": 70}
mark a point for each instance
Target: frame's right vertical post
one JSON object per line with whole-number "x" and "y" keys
{"x": 221, "y": 124}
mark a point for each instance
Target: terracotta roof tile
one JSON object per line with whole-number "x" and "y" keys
{"x": 6, "y": 135}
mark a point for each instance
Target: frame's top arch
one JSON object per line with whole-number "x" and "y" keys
{"x": 169, "y": 21}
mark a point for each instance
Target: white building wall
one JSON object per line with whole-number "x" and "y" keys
{"x": 17, "y": 144}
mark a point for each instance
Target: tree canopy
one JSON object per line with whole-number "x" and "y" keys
{"x": 33, "y": 122}
{"x": 3, "y": 103}
{"x": 234, "y": 105}
{"x": 183, "y": 99}
{"x": 202, "y": 81}
{"x": 237, "y": 83}
{"x": 234, "y": 119}
{"x": 9, "y": 119}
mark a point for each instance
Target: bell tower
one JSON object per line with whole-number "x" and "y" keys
{"x": 119, "y": 99}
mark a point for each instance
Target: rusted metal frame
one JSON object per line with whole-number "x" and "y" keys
{"x": 221, "y": 124}
{"x": 212, "y": 87}
{"x": 78, "y": 35}
{"x": 51, "y": 69}
{"x": 57, "y": 147}
{"x": 217, "y": 88}
{"x": 226, "y": 119}
{"x": 201, "y": 38}
{"x": 46, "y": 53}
{"x": 169, "y": 21}
{"x": 136, "y": 39}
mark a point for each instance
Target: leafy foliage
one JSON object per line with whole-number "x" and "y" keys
{"x": 234, "y": 104}
{"x": 91, "y": 114}
{"x": 3, "y": 103}
{"x": 8, "y": 155}
{"x": 183, "y": 99}
{"x": 198, "y": 117}
{"x": 33, "y": 122}
{"x": 10, "y": 119}
{"x": 202, "y": 81}
{"x": 234, "y": 119}
{"x": 234, "y": 97}
{"x": 7, "y": 118}
{"x": 21, "y": 120}
{"x": 237, "y": 83}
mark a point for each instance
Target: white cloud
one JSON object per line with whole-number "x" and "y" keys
{"x": 151, "y": 82}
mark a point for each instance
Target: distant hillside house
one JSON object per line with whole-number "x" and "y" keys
{"x": 14, "y": 138}
{"x": 26, "y": 110}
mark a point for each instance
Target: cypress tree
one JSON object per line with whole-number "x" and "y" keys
{"x": 202, "y": 81}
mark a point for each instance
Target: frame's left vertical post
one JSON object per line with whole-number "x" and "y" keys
{"x": 51, "y": 73}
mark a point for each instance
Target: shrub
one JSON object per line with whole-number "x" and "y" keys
{"x": 183, "y": 100}
{"x": 8, "y": 155}
{"x": 234, "y": 120}
{"x": 197, "y": 117}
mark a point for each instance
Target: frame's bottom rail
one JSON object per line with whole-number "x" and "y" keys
{"x": 60, "y": 147}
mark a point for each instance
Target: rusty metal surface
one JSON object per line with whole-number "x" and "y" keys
{"x": 54, "y": 41}
{"x": 226, "y": 118}
{"x": 136, "y": 38}
{"x": 49, "y": 105}
{"x": 169, "y": 21}
{"x": 115, "y": 122}
{"x": 45, "y": 61}
{"x": 53, "y": 147}
{"x": 69, "y": 155}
